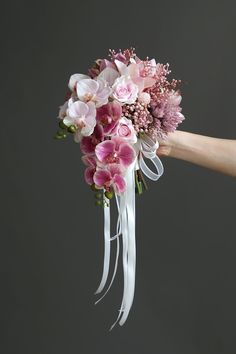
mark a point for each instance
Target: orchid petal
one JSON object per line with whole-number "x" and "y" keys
{"x": 101, "y": 177}
{"x": 89, "y": 160}
{"x": 62, "y": 110}
{"x": 78, "y": 109}
{"x": 118, "y": 184}
{"x": 68, "y": 121}
{"x": 110, "y": 129}
{"x": 123, "y": 69}
{"x": 115, "y": 169}
{"x": 126, "y": 154}
{"x": 77, "y": 136}
{"x": 75, "y": 78}
{"x": 109, "y": 75}
{"x": 104, "y": 150}
{"x": 87, "y": 130}
{"x": 99, "y": 132}
{"x": 88, "y": 175}
{"x": 86, "y": 87}
{"x": 86, "y": 145}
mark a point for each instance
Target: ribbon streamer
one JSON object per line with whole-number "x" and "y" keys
{"x": 146, "y": 148}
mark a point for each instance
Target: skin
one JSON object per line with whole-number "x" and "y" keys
{"x": 213, "y": 153}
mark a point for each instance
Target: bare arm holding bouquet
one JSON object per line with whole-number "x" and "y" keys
{"x": 213, "y": 153}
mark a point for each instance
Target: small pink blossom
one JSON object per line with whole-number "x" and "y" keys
{"x": 115, "y": 151}
{"x": 144, "y": 98}
{"x": 124, "y": 90}
{"x": 110, "y": 176}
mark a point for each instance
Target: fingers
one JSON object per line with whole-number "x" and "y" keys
{"x": 163, "y": 150}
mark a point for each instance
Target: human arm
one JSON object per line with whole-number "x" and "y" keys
{"x": 213, "y": 153}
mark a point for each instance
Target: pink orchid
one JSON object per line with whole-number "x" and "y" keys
{"x": 88, "y": 143}
{"x": 115, "y": 151}
{"x": 137, "y": 74}
{"x": 90, "y": 161}
{"x": 97, "y": 91}
{"x": 76, "y": 78}
{"x": 109, "y": 75}
{"x": 111, "y": 176}
{"x": 83, "y": 116}
{"x": 104, "y": 63}
{"x": 108, "y": 115}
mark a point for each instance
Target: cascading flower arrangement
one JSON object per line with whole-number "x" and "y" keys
{"x": 117, "y": 113}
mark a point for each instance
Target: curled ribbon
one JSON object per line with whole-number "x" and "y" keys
{"x": 147, "y": 148}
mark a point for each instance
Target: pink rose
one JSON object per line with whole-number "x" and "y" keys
{"x": 124, "y": 90}
{"x": 125, "y": 130}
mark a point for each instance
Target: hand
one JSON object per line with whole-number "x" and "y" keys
{"x": 213, "y": 153}
{"x": 165, "y": 146}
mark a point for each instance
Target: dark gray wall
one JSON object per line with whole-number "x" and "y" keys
{"x": 51, "y": 233}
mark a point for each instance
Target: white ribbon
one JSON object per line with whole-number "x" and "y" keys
{"x": 107, "y": 249}
{"x": 146, "y": 148}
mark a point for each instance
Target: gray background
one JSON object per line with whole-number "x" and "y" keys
{"x": 51, "y": 233}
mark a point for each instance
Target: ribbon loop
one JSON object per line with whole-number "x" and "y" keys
{"x": 147, "y": 147}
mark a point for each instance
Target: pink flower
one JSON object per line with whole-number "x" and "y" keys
{"x": 140, "y": 77}
{"x": 97, "y": 91}
{"x": 136, "y": 71}
{"x": 104, "y": 63}
{"x": 111, "y": 176}
{"x": 144, "y": 98}
{"x": 124, "y": 90}
{"x": 109, "y": 75}
{"x": 125, "y": 130}
{"x": 89, "y": 161}
{"x": 115, "y": 151}
{"x": 88, "y": 143}
{"x": 76, "y": 78}
{"x": 108, "y": 115}
{"x": 83, "y": 116}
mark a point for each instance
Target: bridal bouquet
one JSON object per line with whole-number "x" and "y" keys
{"x": 117, "y": 113}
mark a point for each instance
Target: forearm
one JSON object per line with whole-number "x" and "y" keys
{"x": 213, "y": 153}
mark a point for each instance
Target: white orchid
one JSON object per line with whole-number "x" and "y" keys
{"x": 109, "y": 75}
{"x": 76, "y": 78}
{"x": 83, "y": 116}
{"x": 97, "y": 91}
